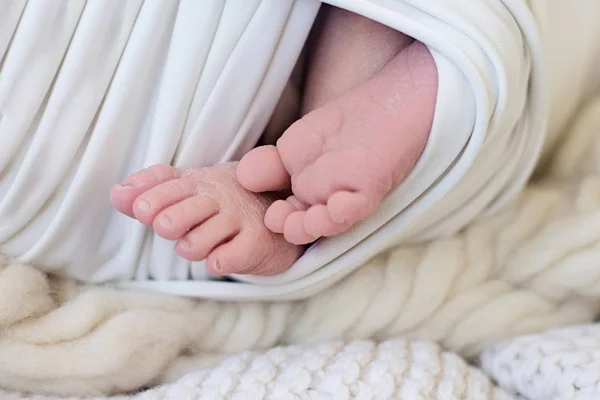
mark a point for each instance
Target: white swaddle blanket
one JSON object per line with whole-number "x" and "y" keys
{"x": 91, "y": 91}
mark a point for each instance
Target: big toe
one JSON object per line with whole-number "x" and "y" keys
{"x": 261, "y": 170}
{"x": 246, "y": 254}
{"x": 123, "y": 195}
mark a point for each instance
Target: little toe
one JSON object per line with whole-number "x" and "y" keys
{"x": 293, "y": 230}
{"x": 200, "y": 241}
{"x": 278, "y": 211}
{"x": 150, "y": 203}
{"x": 347, "y": 208}
{"x": 178, "y": 219}
{"x": 318, "y": 222}
{"x": 123, "y": 195}
{"x": 261, "y": 170}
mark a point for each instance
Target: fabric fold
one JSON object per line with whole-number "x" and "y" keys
{"x": 91, "y": 89}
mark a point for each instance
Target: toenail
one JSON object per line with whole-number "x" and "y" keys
{"x": 215, "y": 266}
{"x": 165, "y": 220}
{"x": 128, "y": 184}
{"x": 143, "y": 205}
{"x": 123, "y": 186}
{"x": 184, "y": 244}
{"x": 340, "y": 220}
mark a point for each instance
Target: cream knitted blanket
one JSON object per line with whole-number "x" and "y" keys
{"x": 533, "y": 267}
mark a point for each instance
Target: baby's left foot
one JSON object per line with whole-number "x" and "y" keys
{"x": 210, "y": 216}
{"x": 370, "y": 96}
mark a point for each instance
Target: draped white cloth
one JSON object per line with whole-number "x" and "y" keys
{"x": 91, "y": 91}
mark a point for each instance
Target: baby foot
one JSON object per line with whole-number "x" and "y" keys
{"x": 210, "y": 216}
{"x": 343, "y": 157}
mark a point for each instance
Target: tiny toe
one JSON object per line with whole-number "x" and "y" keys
{"x": 150, "y": 203}
{"x": 124, "y": 194}
{"x": 349, "y": 207}
{"x": 276, "y": 214}
{"x": 261, "y": 170}
{"x": 318, "y": 223}
{"x": 178, "y": 219}
{"x": 278, "y": 211}
{"x": 200, "y": 241}
{"x": 293, "y": 229}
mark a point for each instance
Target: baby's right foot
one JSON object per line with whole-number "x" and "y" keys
{"x": 209, "y": 215}
{"x": 365, "y": 131}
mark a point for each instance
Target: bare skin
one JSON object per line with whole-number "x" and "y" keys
{"x": 369, "y": 100}
{"x": 363, "y": 134}
{"x": 209, "y": 215}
